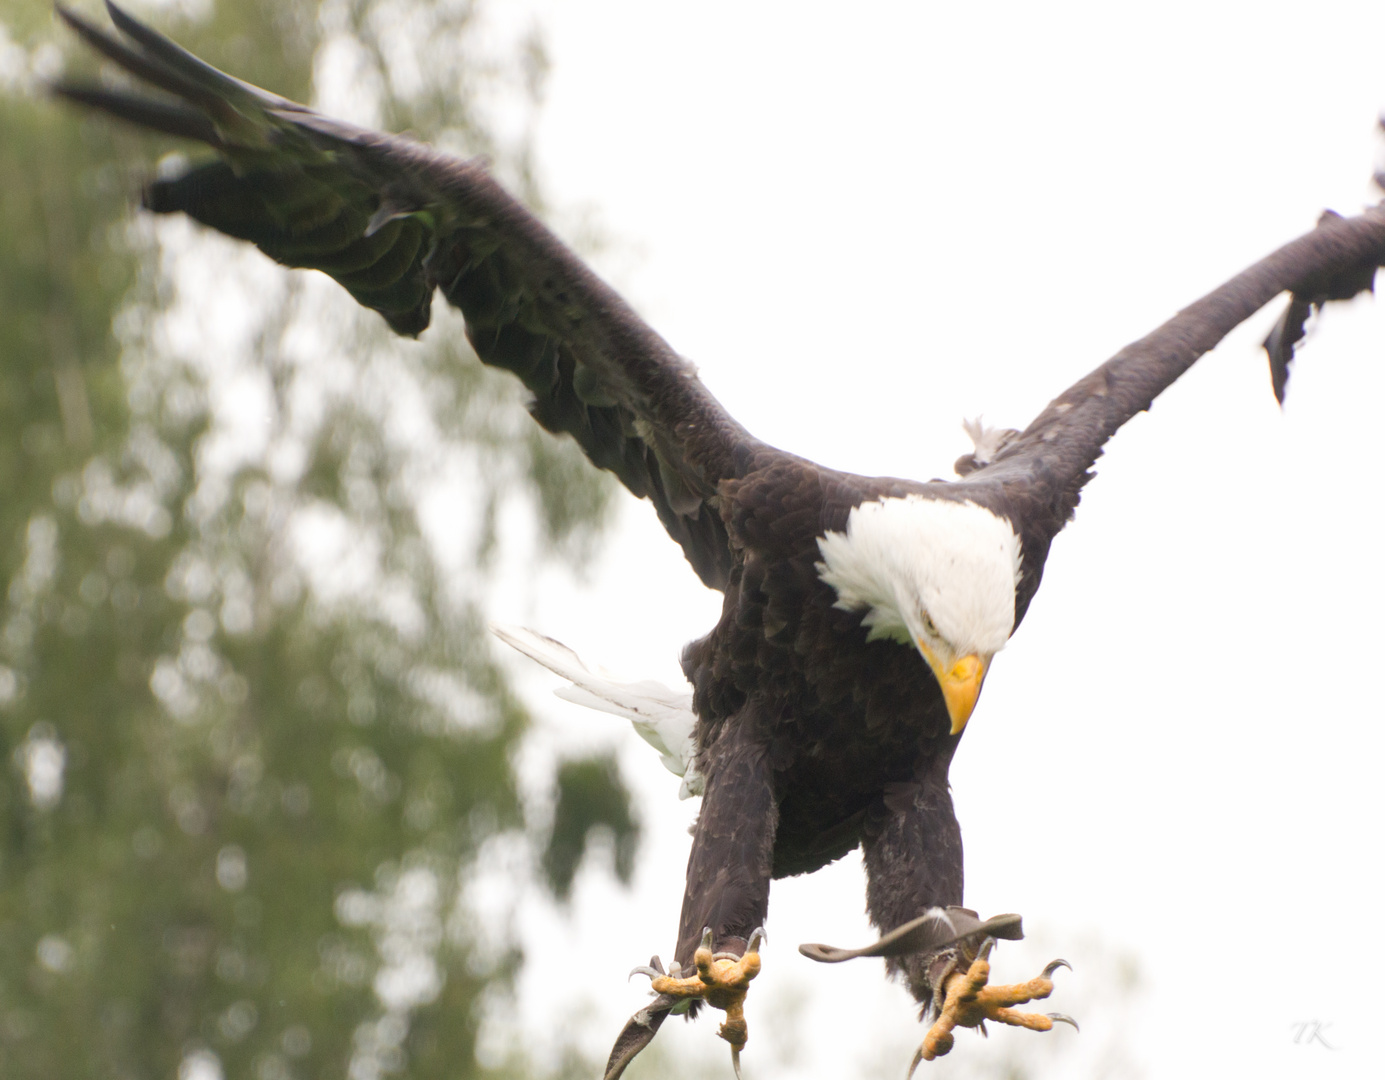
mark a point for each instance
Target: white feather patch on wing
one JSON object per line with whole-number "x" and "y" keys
{"x": 662, "y": 717}
{"x": 987, "y": 442}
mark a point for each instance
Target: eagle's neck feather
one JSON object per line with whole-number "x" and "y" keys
{"x": 902, "y": 558}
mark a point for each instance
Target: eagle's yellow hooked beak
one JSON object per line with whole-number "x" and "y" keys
{"x": 960, "y": 683}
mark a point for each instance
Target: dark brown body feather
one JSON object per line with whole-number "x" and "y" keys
{"x": 812, "y": 740}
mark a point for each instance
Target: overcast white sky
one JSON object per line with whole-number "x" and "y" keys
{"x": 866, "y": 222}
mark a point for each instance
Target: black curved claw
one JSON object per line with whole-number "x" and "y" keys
{"x": 654, "y": 969}
{"x": 1063, "y": 1018}
{"x": 757, "y": 938}
{"x": 736, "y": 1062}
{"x": 913, "y": 1065}
{"x": 1054, "y": 965}
{"x": 985, "y": 951}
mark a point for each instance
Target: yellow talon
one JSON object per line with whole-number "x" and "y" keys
{"x": 722, "y": 982}
{"x": 969, "y": 1001}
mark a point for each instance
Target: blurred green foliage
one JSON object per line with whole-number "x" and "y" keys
{"x": 590, "y": 797}
{"x": 255, "y": 748}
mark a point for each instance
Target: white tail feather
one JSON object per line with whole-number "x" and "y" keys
{"x": 663, "y": 717}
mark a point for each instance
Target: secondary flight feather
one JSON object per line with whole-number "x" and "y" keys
{"x": 861, "y": 614}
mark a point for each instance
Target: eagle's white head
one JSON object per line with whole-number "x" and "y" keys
{"x": 935, "y": 574}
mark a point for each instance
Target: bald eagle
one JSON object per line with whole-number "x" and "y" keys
{"x": 861, "y": 614}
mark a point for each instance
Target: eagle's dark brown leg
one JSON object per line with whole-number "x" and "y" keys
{"x": 913, "y": 857}
{"x": 914, "y": 863}
{"x": 727, "y": 894}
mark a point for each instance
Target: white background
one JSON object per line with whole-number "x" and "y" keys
{"x": 866, "y": 222}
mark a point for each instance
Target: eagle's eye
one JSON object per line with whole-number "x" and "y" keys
{"x": 928, "y": 627}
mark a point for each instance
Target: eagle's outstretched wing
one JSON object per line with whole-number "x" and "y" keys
{"x": 1036, "y": 476}
{"x": 391, "y": 219}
